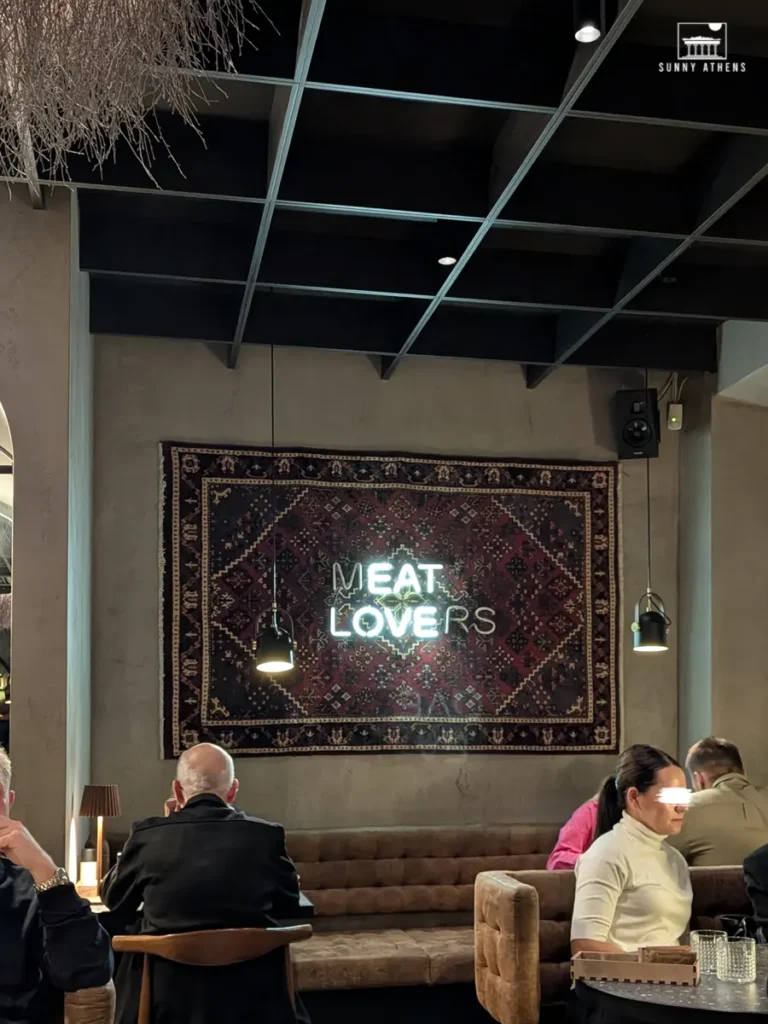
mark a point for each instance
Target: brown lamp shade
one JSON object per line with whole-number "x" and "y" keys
{"x": 100, "y": 802}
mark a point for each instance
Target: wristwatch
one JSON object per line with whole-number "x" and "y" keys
{"x": 59, "y": 877}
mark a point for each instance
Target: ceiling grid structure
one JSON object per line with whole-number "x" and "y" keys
{"x": 601, "y": 209}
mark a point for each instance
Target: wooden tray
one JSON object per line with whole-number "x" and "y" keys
{"x": 652, "y": 965}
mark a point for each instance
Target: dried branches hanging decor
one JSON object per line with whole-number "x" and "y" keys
{"x": 78, "y": 75}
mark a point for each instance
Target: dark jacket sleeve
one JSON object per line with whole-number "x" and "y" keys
{"x": 77, "y": 950}
{"x": 286, "y": 897}
{"x": 756, "y": 877}
{"x": 122, "y": 891}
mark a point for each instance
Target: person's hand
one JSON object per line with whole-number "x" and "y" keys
{"x": 22, "y": 848}
{"x": 170, "y": 806}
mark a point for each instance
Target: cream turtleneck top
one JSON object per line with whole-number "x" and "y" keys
{"x": 632, "y": 889}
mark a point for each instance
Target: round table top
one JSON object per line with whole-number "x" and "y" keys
{"x": 710, "y": 995}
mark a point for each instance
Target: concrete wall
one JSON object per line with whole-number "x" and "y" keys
{"x": 739, "y": 580}
{"x": 150, "y": 390}
{"x": 695, "y": 627}
{"x": 34, "y": 391}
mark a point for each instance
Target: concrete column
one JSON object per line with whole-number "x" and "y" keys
{"x": 739, "y": 579}
{"x": 695, "y": 582}
{"x": 723, "y": 660}
{"x": 49, "y": 727}
{"x": 80, "y": 528}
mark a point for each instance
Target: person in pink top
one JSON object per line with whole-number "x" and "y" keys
{"x": 576, "y": 836}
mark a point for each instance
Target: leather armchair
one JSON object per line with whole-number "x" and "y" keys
{"x": 507, "y": 948}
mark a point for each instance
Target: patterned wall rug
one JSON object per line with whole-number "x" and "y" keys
{"x": 439, "y": 604}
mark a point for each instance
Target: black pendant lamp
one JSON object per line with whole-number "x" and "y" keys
{"x": 273, "y": 647}
{"x": 651, "y": 622}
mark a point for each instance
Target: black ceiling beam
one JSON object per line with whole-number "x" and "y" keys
{"x": 593, "y": 112}
{"x": 740, "y": 165}
{"x": 163, "y": 309}
{"x": 183, "y": 239}
{"x": 490, "y": 334}
{"x": 663, "y": 312}
{"x": 724, "y": 292}
{"x": 174, "y": 310}
{"x": 180, "y": 237}
{"x": 533, "y": 152}
{"x": 736, "y": 235}
{"x": 688, "y": 349}
{"x": 355, "y": 89}
{"x": 286, "y": 115}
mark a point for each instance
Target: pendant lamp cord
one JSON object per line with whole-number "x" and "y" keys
{"x": 274, "y": 489}
{"x": 653, "y": 601}
{"x": 648, "y": 487}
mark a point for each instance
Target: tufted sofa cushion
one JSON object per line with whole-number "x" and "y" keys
{"x": 388, "y": 958}
{"x": 394, "y": 907}
{"x": 522, "y": 933}
{"x": 380, "y": 959}
{"x": 410, "y": 870}
{"x": 451, "y": 953}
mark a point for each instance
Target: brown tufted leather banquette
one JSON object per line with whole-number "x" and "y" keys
{"x": 394, "y": 907}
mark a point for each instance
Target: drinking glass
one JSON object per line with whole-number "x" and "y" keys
{"x": 737, "y": 960}
{"x": 707, "y": 944}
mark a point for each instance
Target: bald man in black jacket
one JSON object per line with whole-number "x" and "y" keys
{"x": 205, "y": 865}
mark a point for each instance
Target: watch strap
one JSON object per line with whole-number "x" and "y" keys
{"x": 59, "y": 877}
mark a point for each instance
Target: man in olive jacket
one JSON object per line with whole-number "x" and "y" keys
{"x": 728, "y": 816}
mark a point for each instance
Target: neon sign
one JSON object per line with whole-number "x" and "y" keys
{"x": 408, "y": 587}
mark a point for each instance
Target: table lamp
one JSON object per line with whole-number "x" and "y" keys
{"x": 100, "y": 802}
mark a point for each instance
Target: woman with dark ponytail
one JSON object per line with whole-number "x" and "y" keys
{"x": 632, "y": 888}
{"x": 609, "y": 809}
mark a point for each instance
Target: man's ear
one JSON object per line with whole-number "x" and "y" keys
{"x": 233, "y": 791}
{"x": 11, "y": 798}
{"x": 178, "y": 793}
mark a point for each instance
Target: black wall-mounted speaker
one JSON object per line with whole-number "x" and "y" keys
{"x": 638, "y": 428}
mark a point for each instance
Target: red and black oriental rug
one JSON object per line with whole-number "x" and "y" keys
{"x": 438, "y": 604}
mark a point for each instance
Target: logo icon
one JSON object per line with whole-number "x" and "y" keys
{"x": 702, "y": 40}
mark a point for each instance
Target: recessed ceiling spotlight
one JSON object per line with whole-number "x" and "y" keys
{"x": 447, "y": 261}
{"x": 586, "y": 20}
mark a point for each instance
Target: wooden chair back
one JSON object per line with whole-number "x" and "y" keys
{"x": 215, "y": 948}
